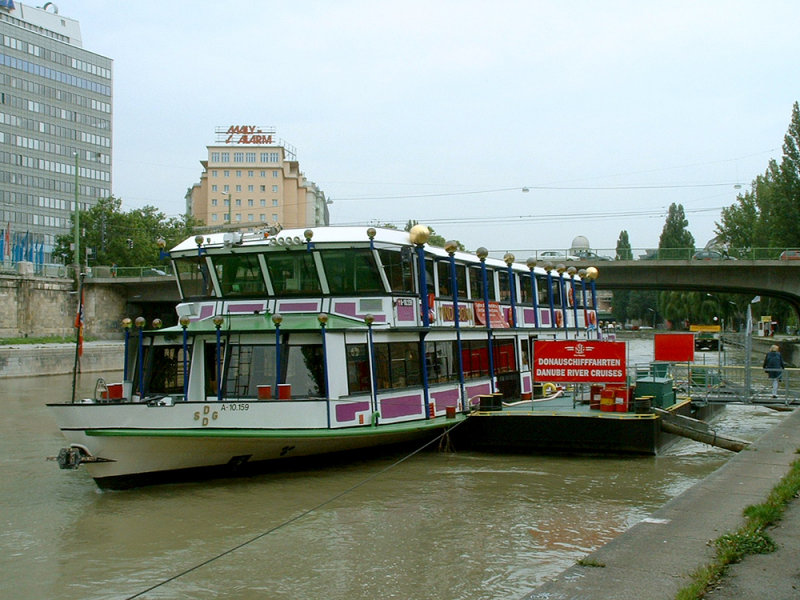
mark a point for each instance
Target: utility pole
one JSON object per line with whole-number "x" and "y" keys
{"x": 76, "y": 255}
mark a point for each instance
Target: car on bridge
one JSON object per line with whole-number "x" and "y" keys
{"x": 711, "y": 255}
{"x": 556, "y": 255}
{"x": 790, "y": 255}
{"x": 589, "y": 255}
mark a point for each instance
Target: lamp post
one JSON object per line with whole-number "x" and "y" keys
{"x": 450, "y": 247}
{"x": 531, "y": 262}
{"x": 482, "y": 253}
{"x": 654, "y": 316}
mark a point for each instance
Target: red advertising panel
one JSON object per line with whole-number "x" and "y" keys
{"x": 495, "y": 315}
{"x": 674, "y": 347}
{"x": 579, "y": 361}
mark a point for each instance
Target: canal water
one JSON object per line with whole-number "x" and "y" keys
{"x": 455, "y": 525}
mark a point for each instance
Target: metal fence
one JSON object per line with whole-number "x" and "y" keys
{"x": 727, "y": 383}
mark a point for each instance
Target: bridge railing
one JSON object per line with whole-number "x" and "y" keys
{"x": 600, "y": 255}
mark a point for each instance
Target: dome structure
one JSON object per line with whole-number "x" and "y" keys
{"x": 581, "y": 242}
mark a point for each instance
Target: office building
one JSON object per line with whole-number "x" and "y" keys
{"x": 55, "y": 123}
{"x": 251, "y": 179}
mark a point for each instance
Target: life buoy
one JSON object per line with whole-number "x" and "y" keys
{"x": 548, "y": 389}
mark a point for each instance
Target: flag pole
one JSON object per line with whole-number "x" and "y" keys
{"x": 78, "y": 280}
{"x": 78, "y": 336}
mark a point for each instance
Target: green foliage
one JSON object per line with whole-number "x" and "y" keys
{"x": 128, "y": 239}
{"x": 435, "y": 240}
{"x": 624, "y": 247}
{"x": 767, "y": 215}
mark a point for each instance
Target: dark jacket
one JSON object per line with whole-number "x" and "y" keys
{"x": 773, "y": 364}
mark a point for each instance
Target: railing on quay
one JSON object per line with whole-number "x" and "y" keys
{"x": 598, "y": 256}
{"x": 733, "y": 384}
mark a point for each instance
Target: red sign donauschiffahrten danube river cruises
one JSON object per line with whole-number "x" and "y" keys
{"x": 579, "y": 361}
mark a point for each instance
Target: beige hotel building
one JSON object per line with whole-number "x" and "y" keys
{"x": 251, "y": 179}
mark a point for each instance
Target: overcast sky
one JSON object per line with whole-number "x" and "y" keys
{"x": 443, "y": 111}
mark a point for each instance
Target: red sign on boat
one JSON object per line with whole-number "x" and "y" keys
{"x": 496, "y": 317}
{"x": 579, "y": 361}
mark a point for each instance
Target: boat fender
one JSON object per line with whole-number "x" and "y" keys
{"x": 548, "y": 389}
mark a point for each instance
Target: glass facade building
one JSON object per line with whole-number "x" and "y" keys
{"x": 55, "y": 128}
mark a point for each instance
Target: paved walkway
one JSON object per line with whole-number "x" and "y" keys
{"x": 655, "y": 558}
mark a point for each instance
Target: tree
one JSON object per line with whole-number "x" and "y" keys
{"x": 622, "y": 298}
{"x": 676, "y": 242}
{"x": 127, "y": 239}
{"x": 435, "y": 240}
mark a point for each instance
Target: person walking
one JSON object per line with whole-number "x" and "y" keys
{"x": 773, "y": 366}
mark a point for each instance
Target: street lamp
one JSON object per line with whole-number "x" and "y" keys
{"x": 654, "y": 317}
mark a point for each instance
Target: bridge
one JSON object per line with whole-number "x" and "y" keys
{"x": 775, "y": 278}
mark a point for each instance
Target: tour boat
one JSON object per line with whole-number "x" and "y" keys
{"x": 295, "y": 343}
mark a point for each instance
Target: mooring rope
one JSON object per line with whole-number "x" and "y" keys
{"x": 445, "y": 433}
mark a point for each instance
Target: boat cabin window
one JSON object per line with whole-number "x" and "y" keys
{"x": 541, "y": 290}
{"x": 398, "y": 267}
{"x": 525, "y": 291}
{"x": 445, "y": 279}
{"x": 475, "y": 358}
{"x": 397, "y": 366}
{"x": 293, "y": 273}
{"x": 351, "y": 271}
{"x": 239, "y": 275}
{"x": 504, "y": 356}
{"x": 476, "y": 283}
{"x": 193, "y": 277}
{"x": 442, "y": 361}
{"x": 505, "y": 289}
{"x": 251, "y": 365}
{"x": 163, "y": 370}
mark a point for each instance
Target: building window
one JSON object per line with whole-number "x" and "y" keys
{"x": 250, "y": 157}
{"x": 274, "y": 218}
{"x": 263, "y": 188}
{"x": 226, "y": 217}
{"x": 263, "y": 202}
{"x": 263, "y": 173}
{"x": 238, "y": 188}
{"x": 214, "y": 173}
{"x": 225, "y": 157}
{"x": 250, "y": 202}
{"x": 214, "y": 217}
{"x": 226, "y": 188}
{"x": 238, "y": 202}
{"x": 214, "y": 188}
{"x": 250, "y": 188}
{"x": 274, "y": 202}
{"x": 263, "y": 217}
{"x": 275, "y": 189}
{"x": 226, "y": 173}
{"x": 238, "y": 217}
{"x": 264, "y": 157}
{"x": 251, "y": 173}
{"x": 215, "y": 157}
{"x": 213, "y": 202}
{"x": 238, "y": 157}
{"x": 250, "y": 217}
{"x": 275, "y": 174}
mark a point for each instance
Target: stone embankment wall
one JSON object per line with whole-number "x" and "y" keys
{"x": 44, "y": 306}
{"x": 31, "y": 360}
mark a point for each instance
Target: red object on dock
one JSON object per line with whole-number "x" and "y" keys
{"x": 607, "y": 399}
{"x": 264, "y": 392}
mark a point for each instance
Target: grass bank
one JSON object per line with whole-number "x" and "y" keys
{"x": 750, "y": 538}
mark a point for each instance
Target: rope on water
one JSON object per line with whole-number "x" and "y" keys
{"x": 297, "y": 517}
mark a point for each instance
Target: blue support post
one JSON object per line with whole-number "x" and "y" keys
{"x": 550, "y": 299}
{"x": 563, "y": 289}
{"x": 487, "y": 317}
{"x": 457, "y": 322}
{"x": 323, "y": 319}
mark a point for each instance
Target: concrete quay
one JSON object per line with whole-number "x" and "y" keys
{"x": 32, "y": 360}
{"x": 654, "y": 559}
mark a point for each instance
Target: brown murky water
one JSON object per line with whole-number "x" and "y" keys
{"x": 440, "y": 525}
